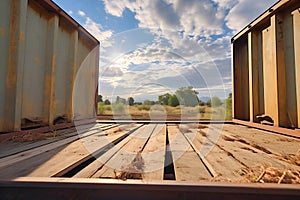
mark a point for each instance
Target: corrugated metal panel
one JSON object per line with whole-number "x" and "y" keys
{"x": 84, "y": 97}
{"x": 4, "y": 52}
{"x": 42, "y": 50}
{"x": 266, "y": 67}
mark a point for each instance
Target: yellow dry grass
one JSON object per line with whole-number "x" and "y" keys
{"x": 179, "y": 112}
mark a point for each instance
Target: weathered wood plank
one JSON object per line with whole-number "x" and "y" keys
{"x": 241, "y": 78}
{"x": 187, "y": 164}
{"x": 121, "y": 163}
{"x": 74, "y": 154}
{"x": 92, "y": 126}
{"x": 281, "y": 66}
{"x": 96, "y": 165}
{"x": 278, "y": 145}
{"x": 11, "y": 148}
{"x": 177, "y": 140}
{"x": 255, "y": 75}
{"x": 6, "y": 161}
{"x": 154, "y": 154}
{"x": 217, "y": 160}
{"x": 250, "y": 154}
{"x": 296, "y": 40}
{"x": 270, "y": 72}
{"x": 25, "y": 167}
{"x": 290, "y": 67}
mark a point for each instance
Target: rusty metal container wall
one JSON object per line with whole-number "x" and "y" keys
{"x": 42, "y": 51}
{"x": 4, "y": 51}
{"x": 63, "y": 70}
{"x": 13, "y": 40}
{"x": 84, "y": 96}
{"x": 266, "y": 68}
{"x": 35, "y": 65}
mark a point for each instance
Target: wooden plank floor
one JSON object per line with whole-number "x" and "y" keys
{"x": 120, "y": 165}
{"x": 187, "y": 163}
{"x": 153, "y": 154}
{"x": 189, "y": 152}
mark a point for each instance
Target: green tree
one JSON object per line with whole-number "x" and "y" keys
{"x": 173, "y": 101}
{"x": 187, "y": 96}
{"x": 201, "y": 103}
{"x": 215, "y": 101}
{"x": 228, "y": 104}
{"x": 100, "y": 98}
{"x": 107, "y": 102}
{"x": 164, "y": 99}
{"x": 148, "y": 102}
{"x": 130, "y": 101}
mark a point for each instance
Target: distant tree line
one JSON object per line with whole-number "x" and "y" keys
{"x": 185, "y": 96}
{"x": 105, "y": 102}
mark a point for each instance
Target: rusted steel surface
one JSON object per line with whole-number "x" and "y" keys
{"x": 46, "y": 60}
{"x": 59, "y": 188}
{"x": 266, "y": 86}
{"x": 53, "y": 7}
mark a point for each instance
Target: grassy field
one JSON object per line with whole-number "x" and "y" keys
{"x": 159, "y": 112}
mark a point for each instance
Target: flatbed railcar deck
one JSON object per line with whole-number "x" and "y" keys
{"x": 165, "y": 153}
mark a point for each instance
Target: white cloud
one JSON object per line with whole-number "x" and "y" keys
{"x": 194, "y": 19}
{"x": 157, "y": 78}
{"x": 197, "y": 32}
{"x": 114, "y": 8}
{"x": 70, "y": 12}
{"x": 228, "y": 4}
{"x": 81, "y": 13}
{"x": 246, "y": 11}
{"x": 97, "y": 31}
{"x": 155, "y": 52}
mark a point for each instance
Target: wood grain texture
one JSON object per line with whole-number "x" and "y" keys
{"x": 187, "y": 164}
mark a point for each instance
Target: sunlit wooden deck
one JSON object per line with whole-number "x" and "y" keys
{"x": 190, "y": 152}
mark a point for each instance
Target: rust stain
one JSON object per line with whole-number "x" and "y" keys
{"x": 22, "y": 36}
{"x": 11, "y": 77}
{"x": 36, "y": 60}
{"x": 53, "y": 63}
{"x": 28, "y": 107}
{"x": 2, "y": 32}
{"x": 72, "y": 83}
{"x": 47, "y": 81}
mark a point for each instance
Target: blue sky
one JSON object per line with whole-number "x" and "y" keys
{"x": 150, "y": 47}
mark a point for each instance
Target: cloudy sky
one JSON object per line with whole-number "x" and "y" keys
{"x": 150, "y": 47}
